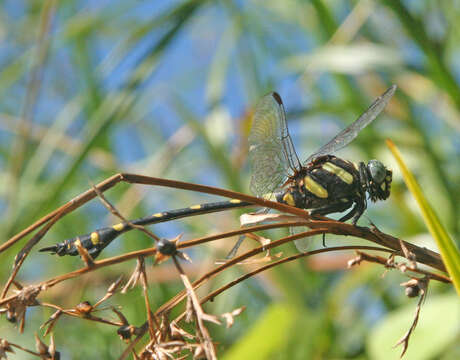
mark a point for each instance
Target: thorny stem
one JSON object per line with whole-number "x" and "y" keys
{"x": 403, "y": 267}
{"x": 423, "y": 255}
{"x": 145, "y": 252}
{"x": 232, "y": 283}
{"x": 216, "y": 292}
{"x": 273, "y": 264}
{"x": 323, "y": 226}
{"x": 125, "y": 257}
{"x": 74, "y": 313}
{"x": 197, "y": 283}
{"x": 405, "y": 339}
{"x": 147, "y": 180}
{"x": 240, "y": 258}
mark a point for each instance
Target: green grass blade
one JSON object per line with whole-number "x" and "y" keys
{"x": 449, "y": 251}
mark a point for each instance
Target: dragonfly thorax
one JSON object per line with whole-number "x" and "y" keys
{"x": 330, "y": 184}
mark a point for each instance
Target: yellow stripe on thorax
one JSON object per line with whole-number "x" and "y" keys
{"x": 288, "y": 199}
{"x": 315, "y": 188}
{"x": 344, "y": 175}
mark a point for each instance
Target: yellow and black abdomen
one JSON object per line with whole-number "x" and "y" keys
{"x": 97, "y": 240}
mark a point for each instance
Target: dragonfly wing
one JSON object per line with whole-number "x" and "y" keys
{"x": 347, "y": 135}
{"x": 271, "y": 152}
{"x": 302, "y": 244}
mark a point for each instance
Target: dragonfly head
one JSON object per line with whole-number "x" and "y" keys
{"x": 379, "y": 180}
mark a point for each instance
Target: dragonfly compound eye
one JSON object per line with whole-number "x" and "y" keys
{"x": 377, "y": 170}
{"x": 381, "y": 177}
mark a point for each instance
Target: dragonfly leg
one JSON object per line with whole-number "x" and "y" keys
{"x": 356, "y": 212}
{"x": 235, "y": 248}
{"x": 360, "y": 207}
{"x": 338, "y": 207}
{"x": 350, "y": 214}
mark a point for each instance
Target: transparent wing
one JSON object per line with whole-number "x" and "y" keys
{"x": 303, "y": 244}
{"x": 347, "y": 135}
{"x": 271, "y": 152}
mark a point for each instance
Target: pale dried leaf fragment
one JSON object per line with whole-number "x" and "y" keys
{"x": 211, "y": 318}
{"x": 257, "y": 218}
{"x": 230, "y": 316}
{"x": 134, "y": 279}
{"x": 178, "y": 333}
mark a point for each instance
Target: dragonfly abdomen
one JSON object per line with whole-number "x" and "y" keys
{"x": 97, "y": 240}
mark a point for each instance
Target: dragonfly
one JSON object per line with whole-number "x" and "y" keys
{"x": 322, "y": 184}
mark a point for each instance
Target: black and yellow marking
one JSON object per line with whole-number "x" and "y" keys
{"x": 94, "y": 237}
{"x": 341, "y": 173}
{"x": 289, "y": 199}
{"x": 97, "y": 240}
{"x": 314, "y": 187}
{"x": 118, "y": 227}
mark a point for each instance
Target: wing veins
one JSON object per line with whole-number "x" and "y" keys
{"x": 347, "y": 135}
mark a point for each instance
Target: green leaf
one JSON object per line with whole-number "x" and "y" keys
{"x": 449, "y": 251}
{"x": 266, "y": 336}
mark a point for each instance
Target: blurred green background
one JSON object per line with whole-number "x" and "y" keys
{"x": 166, "y": 88}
